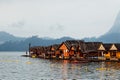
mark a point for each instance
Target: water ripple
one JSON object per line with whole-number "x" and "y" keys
{"x": 15, "y": 67}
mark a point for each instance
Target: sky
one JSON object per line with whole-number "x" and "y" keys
{"x": 58, "y": 18}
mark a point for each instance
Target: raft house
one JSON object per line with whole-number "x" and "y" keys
{"x": 78, "y": 50}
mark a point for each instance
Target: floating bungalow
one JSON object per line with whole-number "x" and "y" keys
{"x": 112, "y": 51}
{"x": 71, "y": 49}
{"x": 78, "y": 50}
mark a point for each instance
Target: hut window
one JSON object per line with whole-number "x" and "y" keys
{"x": 66, "y": 50}
{"x": 113, "y": 54}
{"x": 61, "y": 51}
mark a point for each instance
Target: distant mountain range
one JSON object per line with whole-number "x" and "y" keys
{"x": 112, "y": 36}
{"x": 9, "y": 42}
{"x": 116, "y": 26}
{"x": 4, "y": 36}
{"x": 34, "y": 41}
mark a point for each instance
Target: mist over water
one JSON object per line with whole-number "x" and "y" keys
{"x": 15, "y": 67}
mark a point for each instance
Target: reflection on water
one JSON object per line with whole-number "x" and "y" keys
{"x": 15, "y": 67}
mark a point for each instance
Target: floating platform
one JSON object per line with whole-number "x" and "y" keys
{"x": 25, "y": 55}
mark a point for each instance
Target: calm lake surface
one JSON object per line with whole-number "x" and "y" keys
{"x": 15, "y": 67}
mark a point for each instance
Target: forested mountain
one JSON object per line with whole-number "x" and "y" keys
{"x": 34, "y": 41}
{"x": 4, "y": 36}
{"x": 113, "y": 35}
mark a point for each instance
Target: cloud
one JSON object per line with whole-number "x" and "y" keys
{"x": 57, "y": 18}
{"x": 18, "y": 24}
{"x": 56, "y": 27}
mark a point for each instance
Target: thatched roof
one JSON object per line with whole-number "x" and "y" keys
{"x": 117, "y": 46}
{"x": 92, "y": 46}
{"x": 107, "y": 46}
{"x": 76, "y": 44}
{"x": 55, "y": 46}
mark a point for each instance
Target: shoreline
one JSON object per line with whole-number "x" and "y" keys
{"x": 74, "y": 60}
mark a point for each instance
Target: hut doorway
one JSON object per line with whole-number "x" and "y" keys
{"x": 113, "y": 54}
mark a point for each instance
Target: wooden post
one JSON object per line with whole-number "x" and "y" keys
{"x": 29, "y": 48}
{"x": 102, "y": 55}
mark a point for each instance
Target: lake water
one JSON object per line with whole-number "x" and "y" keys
{"x": 15, "y": 67}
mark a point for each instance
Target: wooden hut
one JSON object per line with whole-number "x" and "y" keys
{"x": 107, "y": 51}
{"x": 36, "y": 51}
{"x": 54, "y": 50}
{"x": 118, "y": 50}
{"x": 112, "y": 51}
{"x": 71, "y": 49}
{"x": 63, "y": 50}
{"x": 95, "y": 50}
